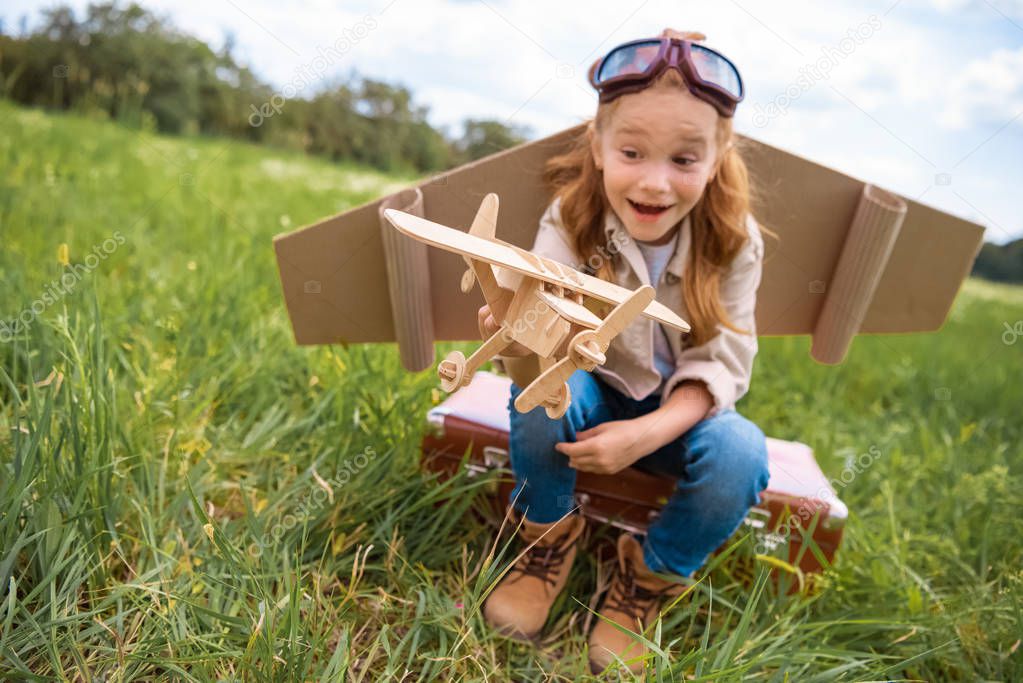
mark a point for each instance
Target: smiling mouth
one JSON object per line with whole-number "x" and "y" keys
{"x": 649, "y": 209}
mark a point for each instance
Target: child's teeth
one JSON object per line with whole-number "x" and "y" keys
{"x": 648, "y": 208}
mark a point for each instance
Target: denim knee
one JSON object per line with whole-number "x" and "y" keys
{"x": 544, "y": 481}
{"x": 734, "y": 456}
{"x": 725, "y": 470}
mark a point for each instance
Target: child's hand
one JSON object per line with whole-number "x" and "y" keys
{"x": 488, "y": 327}
{"x": 608, "y": 448}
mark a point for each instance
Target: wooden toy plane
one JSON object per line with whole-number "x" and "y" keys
{"x": 539, "y": 313}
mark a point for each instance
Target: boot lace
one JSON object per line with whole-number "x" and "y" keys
{"x": 632, "y": 599}
{"x": 543, "y": 562}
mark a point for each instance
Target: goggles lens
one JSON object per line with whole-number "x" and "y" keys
{"x": 712, "y": 67}
{"x": 631, "y": 59}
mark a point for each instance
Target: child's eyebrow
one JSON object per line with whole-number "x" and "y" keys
{"x": 686, "y": 137}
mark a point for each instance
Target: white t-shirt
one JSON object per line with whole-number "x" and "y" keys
{"x": 657, "y": 258}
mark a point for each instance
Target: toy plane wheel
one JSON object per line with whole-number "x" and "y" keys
{"x": 557, "y": 405}
{"x": 452, "y": 371}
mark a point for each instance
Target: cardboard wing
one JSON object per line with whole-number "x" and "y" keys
{"x": 850, "y": 257}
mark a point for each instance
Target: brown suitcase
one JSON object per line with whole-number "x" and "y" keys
{"x": 475, "y": 420}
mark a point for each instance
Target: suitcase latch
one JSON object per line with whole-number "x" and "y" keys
{"x": 494, "y": 456}
{"x": 757, "y": 518}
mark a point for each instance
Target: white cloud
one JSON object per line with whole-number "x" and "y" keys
{"x": 986, "y": 90}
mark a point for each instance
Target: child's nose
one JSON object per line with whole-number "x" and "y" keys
{"x": 655, "y": 180}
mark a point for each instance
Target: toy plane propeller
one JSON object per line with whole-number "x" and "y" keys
{"x": 539, "y": 314}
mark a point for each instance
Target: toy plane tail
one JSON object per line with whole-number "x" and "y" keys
{"x": 485, "y": 222}
{"x": 483, "y": 225}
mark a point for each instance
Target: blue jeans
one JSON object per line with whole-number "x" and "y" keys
{"x": 720, "y": 467}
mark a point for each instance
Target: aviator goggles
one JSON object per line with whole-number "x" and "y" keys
{"x": 633, "y": 66}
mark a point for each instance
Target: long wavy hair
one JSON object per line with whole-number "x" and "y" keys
{"x": 718, "y": 220}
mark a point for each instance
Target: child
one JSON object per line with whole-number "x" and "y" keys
{"x": 656, "y": 193}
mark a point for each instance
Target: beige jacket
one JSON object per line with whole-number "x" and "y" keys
{"x": 723, "y": 363}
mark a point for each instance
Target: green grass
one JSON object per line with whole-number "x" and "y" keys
{"x": 167, "y": 449}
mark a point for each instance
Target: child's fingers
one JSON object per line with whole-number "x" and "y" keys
{"x": 573, "y": 450}
{"x": 481, "y": 319}
{"x": 488, "y": 326}
{"x": 590, "y": 433}
{"x": 684, "y": 35}
{"x": 582, "y": 463}
{"x": 566, "y": 448}
{"x": 573, "y": 460}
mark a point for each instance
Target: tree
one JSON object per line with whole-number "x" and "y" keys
{"x": 484, "y": 137}
{"x": 134, "y": 66}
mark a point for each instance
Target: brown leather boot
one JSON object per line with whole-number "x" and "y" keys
{"x": 519, "y": 605}
{"x": 632, "y": 601}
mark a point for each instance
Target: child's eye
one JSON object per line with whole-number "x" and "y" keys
{"x": 683, "y": 161}
{"x": 630, "y": 153}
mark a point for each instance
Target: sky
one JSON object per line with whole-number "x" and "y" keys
{"x": 921, "y": 97}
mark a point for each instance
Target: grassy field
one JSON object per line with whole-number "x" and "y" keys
{"x": 186, "y": 494}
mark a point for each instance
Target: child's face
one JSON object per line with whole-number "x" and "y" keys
{"x": 659, "y": 150}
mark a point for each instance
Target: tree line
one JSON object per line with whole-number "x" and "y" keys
{"x": 135, "y": 67}
{"x": 1000, "y": 262}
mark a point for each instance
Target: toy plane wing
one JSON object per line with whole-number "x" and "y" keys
{"x": 522, "y": 261}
